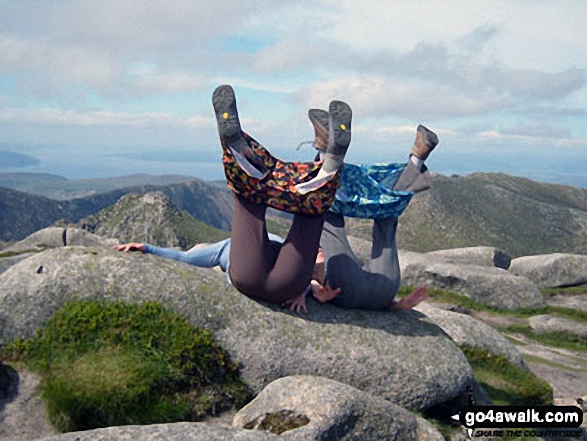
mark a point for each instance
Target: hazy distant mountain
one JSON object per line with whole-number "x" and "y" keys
{"x": 60, "y": 188}
{"x": 520, "y": 216}
{"x": 22, "y": 214}
{"x": 13, "y": 159}
{"x": 150, "y": 218}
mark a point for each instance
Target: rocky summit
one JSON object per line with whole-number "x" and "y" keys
{"x": 151, "y": 218}
{"x": 397, "y": 356}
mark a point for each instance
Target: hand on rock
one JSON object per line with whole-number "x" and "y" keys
{"x": 133, "y": 246}
{"x": 297, "y": 304}
{"x": 408, "y": 302}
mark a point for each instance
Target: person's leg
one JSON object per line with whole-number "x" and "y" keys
{"x": 359, "y": 288}
{"x": 293, "y": 268}
{"x": 252, "y": 254}
{"x": 365, "y": 192}
{"x": 269, "y": 270}
{"x": 384, "y": 257}
{"x": 416, "y": 178}
{"x": 254, "y": 174}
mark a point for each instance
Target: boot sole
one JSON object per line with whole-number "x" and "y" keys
{"x": 340, "y": 124}
{"x": 224, "y": 102}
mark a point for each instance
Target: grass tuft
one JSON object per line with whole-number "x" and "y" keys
{"x": 506, "y": 383}
{"x": 112, "y": 364}
{"x": 441, "y": 296}
{"x": 564, "y": 340}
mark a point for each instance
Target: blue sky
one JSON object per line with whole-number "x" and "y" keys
{"x": 104, "y": 88}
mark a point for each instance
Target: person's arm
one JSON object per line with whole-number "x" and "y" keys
{"x": 321, "y": 293}
{"x": 168, "y": 253}
{"x": 297, "y": 304}
{"x": 129, "y": 247}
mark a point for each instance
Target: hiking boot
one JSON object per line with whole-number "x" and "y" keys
{"x": 229, "y": 128}
{"x": 224, "y": 103}
{"x": 425, "y": 142}
{"x": 319, "y": 119}
{"x": 339, "y": 128}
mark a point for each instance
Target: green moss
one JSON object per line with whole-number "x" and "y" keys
{"x": 577, "y": 315}
{"x": 506, "y": 383}
{"x": 554, "y": 364}
{"x": 107, "y": 364}
{"x": 567, "y": 290}
{"x": 278, "y": 422}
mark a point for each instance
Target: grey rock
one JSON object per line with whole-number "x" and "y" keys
{"x": 80, "y": 237}
{"x": 51, "y": 237}
{"x": 568, "y": 300}
{"x": 152, "y": 218}
{"x": 552, "y": 270}
{"x": 56, "y": 237}
{"x": 316, "y": 408}
{"x": 397, "y": 356}
{"x": 470, "y": 332}
{"x": 361, "y": 247}
{"x": 7, "y": 262}
{"x": 486, "y": 284}
{"x": 489, "y": 286}
{"x": 22, "y": 413}
{"x": 479, "y": 256}
{"x": 543, "y": 324}
{"x": 165, "y": 432}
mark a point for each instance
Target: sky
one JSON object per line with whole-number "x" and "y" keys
{"x": 114, "y": 87}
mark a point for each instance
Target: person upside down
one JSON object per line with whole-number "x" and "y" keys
{"x": 315, "y": 258}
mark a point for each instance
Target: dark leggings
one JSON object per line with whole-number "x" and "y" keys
{"x": 266, "y": 270}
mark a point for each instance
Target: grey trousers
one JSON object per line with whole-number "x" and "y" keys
{"x": 374, "y": 285}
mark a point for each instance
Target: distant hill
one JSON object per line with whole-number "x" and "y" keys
{"x": 22, "y": 214}
{"x": 60, "y": 188}
{"x": 520, "y": 216}
{"x": 150, "y": 218}
{"x": 13, "y": 159}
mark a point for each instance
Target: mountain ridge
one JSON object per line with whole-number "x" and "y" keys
{"x": 517, "y": 215}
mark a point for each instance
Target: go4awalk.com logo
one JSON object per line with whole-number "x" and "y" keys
{"x": 516, "y": 421}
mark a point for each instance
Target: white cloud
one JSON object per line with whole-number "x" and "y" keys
{"x": 57, "y": 65}
{"x": 380, "y": 97}
{"x": 149, "y": 26}
{"x": 542, "y": 85}
{"x": 168, "y": 82}
{"x": 538, "y": 131}
{"x": 547, "y": 112}
{"x": 51, "y": 117}
{"x": 529, "y": 29}
{"x": 457, "y": 65}
{"x": 528, "y": 136}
